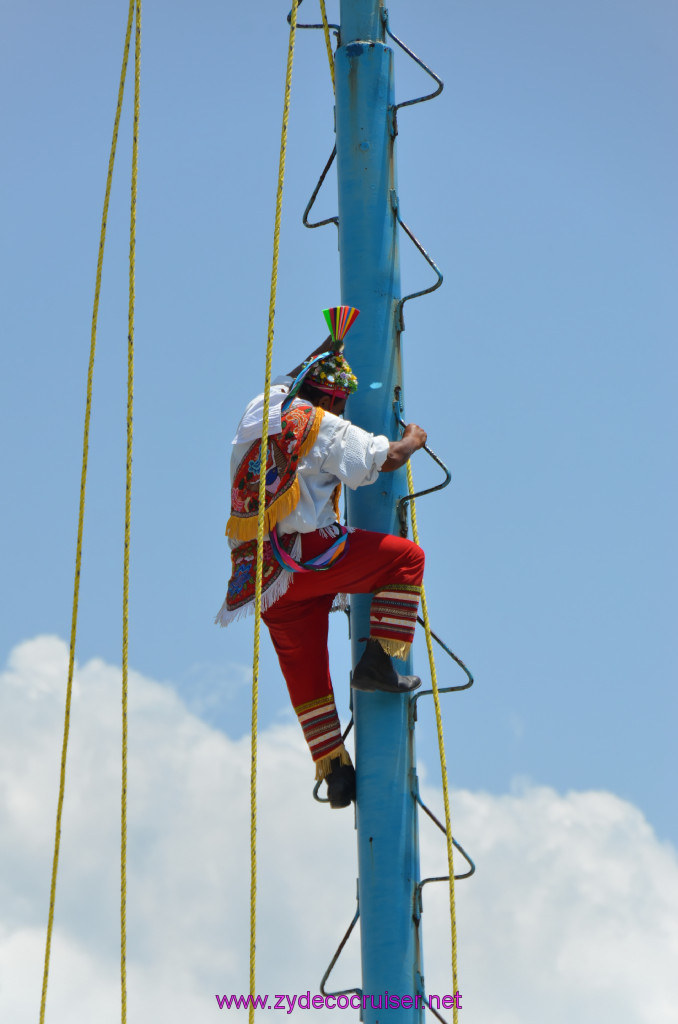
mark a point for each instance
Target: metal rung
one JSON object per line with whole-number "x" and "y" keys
{"x": 400, "y": 319}
{"x": 289, "y": 21}
{"x": 457, "y": 846}
{"x": 345, "y": 991}
{"x": 427, "y": 810}
{"x": 401, "y": 509}
{"x": 446, "y": 689}
{"x": 417, "y": 60}
{"x": 441, "y": 689}
{"x": 316, "y": 190}
{"x": 434, "y": 1012}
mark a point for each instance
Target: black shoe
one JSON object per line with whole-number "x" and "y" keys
{"x": 375, "y": 671}
{"x": 340, "y": 783}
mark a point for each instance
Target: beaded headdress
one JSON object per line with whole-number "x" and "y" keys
{"x": 333, "y": 375}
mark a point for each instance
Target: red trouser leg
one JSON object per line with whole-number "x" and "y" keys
{"x": 299, "y": 634}
{"x": 392, "y": 569}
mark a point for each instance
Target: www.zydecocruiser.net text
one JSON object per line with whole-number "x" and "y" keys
{"x": 305, "y": 1001}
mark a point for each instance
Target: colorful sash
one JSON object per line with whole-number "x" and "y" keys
{"x": 325, "y": 560}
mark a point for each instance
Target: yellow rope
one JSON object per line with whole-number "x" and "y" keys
{"x": 128, "y": 506}
{"x": 328, "y": 43}
{"x": 81, "y": 517}
{"x": 441, "y": 748}
{"x": 262, "y": 509}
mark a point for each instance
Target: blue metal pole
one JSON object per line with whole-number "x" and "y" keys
{"x": 388, "y": 848}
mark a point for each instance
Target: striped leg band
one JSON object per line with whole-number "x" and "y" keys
{"x": 393, "y": 617}
{"x": 322, "y": 732}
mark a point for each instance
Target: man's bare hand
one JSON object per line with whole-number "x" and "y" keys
{"x": 413, "y": 438}
{"x": 416, "y": 434}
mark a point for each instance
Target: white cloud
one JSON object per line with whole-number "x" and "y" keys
{"x": 573, "y": 914}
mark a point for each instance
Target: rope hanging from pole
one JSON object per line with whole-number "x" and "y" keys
{"x": 128, "y": 507}
{"x": 328, "y": 43}
{"x": 441, "y": 749}
{"x": 83, "y": 478}
{"x": 262, "y": 510}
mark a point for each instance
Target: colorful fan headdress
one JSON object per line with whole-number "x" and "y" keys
{"x": 340, "y": 319}
{"x": 329, "y": 372}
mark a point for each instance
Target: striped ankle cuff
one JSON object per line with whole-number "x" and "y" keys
{"x": 393, "y": 617}
{"x": 320, "y": 723}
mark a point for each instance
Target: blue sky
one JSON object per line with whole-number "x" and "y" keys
{"x": 543, "y": 183}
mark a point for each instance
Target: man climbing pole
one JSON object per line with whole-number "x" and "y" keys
{"x": 310, "y": 559}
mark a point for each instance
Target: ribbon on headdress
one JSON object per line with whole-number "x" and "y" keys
{"x": 300, "y": 377}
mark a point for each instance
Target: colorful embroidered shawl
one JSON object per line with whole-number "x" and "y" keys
{"x": 241, "y": 586}
{"x": 300, "y": 425}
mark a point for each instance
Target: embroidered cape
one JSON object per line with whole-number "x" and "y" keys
{"x": 299, "y": 431}
{"x": 241, "y": 586}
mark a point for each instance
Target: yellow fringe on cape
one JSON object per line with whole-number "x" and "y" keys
{"x": 323, "y": 766}
{"x": 243, "y": 530}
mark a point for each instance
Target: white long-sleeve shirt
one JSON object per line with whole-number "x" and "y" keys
{"x": 342, "y": 454}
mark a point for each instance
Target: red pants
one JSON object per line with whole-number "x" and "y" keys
{"x": 389, "y": 567}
